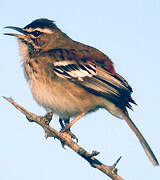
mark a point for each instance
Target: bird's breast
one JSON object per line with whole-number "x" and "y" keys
{"x": 58, "y": 95}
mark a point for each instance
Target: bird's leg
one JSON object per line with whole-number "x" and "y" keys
{"x": 66, "y": 122}
{"x": 70, "y": 124}
{"x": 73, "y": 136}
{"x": 63, "y": 124}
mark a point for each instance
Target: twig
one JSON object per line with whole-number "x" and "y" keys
{"x": 64, "y": 137}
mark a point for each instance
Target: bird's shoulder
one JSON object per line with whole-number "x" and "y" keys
{"x": 79, "y": 61}
{"x": 80, "y": 54}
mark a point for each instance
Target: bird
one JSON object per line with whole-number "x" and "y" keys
{"x": 72, "y": 79}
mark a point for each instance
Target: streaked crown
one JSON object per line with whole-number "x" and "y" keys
{"x": 41, "y": 23}
{"x": 41, "y": 34}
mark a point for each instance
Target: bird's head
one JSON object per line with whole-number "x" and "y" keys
{"x": 40, "y": 35}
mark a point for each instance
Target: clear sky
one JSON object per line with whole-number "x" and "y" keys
{"x": 129, "y": 33}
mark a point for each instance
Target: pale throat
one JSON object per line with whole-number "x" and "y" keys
{"x": 23, "y": 49}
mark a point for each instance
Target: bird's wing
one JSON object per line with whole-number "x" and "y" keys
{"x": 95, "y": 79}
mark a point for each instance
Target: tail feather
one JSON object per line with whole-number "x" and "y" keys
{"x": 140, "y": 137}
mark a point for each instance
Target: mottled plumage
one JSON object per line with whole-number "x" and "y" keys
{"x": 71, "y": 78}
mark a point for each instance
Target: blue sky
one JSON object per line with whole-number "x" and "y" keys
{"x": 128, "y": 32}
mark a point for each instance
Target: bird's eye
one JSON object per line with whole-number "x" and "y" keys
{"x": 36, "y": 33}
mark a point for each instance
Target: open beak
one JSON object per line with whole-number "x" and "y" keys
{"x": 21, "y": 30}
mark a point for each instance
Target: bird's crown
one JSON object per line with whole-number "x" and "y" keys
{"x": 41, "y": 23}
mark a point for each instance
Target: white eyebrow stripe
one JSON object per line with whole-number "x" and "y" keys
{"x": 45, "y": 30}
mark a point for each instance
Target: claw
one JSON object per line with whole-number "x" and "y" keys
{"x": 63, "y": 144}
{"x": 64, "y": 124}
{"x": 73, "y": 136}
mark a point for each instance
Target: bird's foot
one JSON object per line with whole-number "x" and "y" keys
{"x": 65, "y": 128}
{"x": 73, "y": 137}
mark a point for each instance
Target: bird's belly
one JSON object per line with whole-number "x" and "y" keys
{"x": 63, "y": 97}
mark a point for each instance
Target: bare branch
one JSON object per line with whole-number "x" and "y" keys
{"x": 66, "y": 139}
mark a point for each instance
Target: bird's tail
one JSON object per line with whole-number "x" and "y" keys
{"x": 140, "y": 137}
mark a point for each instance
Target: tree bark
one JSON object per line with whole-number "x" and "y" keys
{"x": 65, "y": 138}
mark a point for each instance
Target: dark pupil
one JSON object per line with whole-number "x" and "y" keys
{"x": 36, "y": 33}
